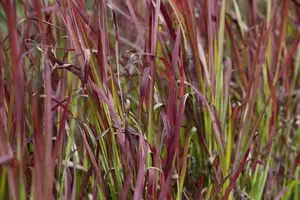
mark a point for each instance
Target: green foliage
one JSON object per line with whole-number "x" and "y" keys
{"x": 162, "y": 99}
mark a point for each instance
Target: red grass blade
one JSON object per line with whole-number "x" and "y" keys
{"x": 235, "y": 176}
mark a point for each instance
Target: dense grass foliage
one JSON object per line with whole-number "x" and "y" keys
{"x": 149, "y": 99}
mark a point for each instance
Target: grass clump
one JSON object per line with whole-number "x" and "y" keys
{"x": 162, "y": 99}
